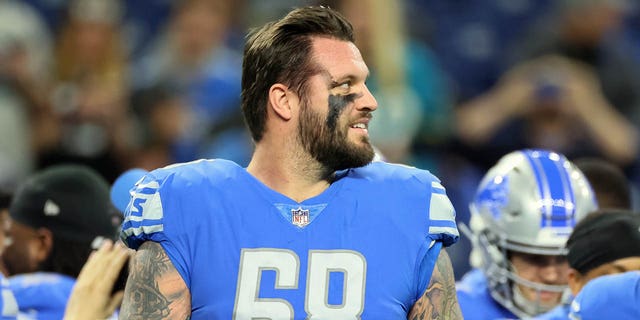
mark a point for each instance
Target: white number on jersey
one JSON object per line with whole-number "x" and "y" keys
{"x": 286, "y": 265}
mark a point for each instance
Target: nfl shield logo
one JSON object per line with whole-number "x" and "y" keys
{"x": 300, "y": 217}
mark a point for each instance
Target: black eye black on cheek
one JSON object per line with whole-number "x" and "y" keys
{"x": 337, "y": 103}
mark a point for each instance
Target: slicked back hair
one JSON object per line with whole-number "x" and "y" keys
{"x": 280, "y": 52}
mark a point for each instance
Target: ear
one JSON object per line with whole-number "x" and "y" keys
{"x": 281, "y": 101}
{"x": 575, "y": 281}
{"x": 45, "y": 244}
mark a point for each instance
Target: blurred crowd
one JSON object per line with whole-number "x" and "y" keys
{"x": 122, "y": 84}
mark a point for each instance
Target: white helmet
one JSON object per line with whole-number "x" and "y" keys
{"x": 528, "y": 202}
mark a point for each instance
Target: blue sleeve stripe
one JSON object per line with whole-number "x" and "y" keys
{"x": 447, "y": 230}
{"x": 136, "y": 224}
{"x": 437, "y": 188}
{"x": 146, "y": 230}
{"x": 146, "y": 190}
{"x": 443, "y": 223}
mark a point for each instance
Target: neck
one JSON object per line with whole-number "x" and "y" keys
{"x": 297, "y": 176}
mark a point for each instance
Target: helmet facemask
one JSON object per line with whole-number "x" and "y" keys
{"x": 527, "y": 204}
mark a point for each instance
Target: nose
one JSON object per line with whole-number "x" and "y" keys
{"x": 367, "y": 102}
{"x": 554, "y": 273}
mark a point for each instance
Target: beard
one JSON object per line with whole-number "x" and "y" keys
{"x": 328, "y": 143}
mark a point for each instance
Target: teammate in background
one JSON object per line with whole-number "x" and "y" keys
{"x": 311, "y": 228}
{"x": 605, "y": 242}
{"x": 615, "y": 296}
{"x": 608, "y": 182}
{"x": 57, "y": 215}
{"x": 522, "y": 214}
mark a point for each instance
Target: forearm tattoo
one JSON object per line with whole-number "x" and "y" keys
{"x": 439, "y": 300}
{"x": 154, "y": 288}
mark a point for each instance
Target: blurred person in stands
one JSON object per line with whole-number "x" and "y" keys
{"x": 58, "y": 216}
{"x": 195, "y": 57}
{"x": 163, "y": 116}
{"x": 605, "y": 242}
{"x": 611, "y": 186}
{"x": 289, "y": 232}
{"x": 614, "y": 296}
{"x": 91, "y": 122}
{"x": 25, "y": 62}
{"x": 523, "y": 212}
{"x": 572, "y": 87}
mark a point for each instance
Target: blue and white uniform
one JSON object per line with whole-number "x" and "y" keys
{"x": 8, "y": 304}
{"x": 41, "y": 295}
{"x": 476, "y": 302}
{"x": 615, "y": 296}
{"x": 364, "y": 247}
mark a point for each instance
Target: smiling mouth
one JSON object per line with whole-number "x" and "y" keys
{"x": 359, "y": 126}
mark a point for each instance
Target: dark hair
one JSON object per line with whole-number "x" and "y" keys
{"x": 280, "y": 51}
{"x": 608, "y": 182}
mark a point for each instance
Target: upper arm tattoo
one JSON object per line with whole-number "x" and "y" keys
{"x": 439, "y": 300}
{"x": 155, "y": 289}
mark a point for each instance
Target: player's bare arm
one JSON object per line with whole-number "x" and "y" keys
{"x": 155, "y": 289}
{"x": 439, "y": 301}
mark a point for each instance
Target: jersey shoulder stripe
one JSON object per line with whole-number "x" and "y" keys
{"x": 145, "y": 217}
{"x": 417, "y": 183}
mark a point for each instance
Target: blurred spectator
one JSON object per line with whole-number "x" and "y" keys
{"x": 574, "y": 91}
{"x": 591, "y": 32}
{"x": 469, "y": 37}
{"x": 194, "y": 58}
{"x": 92, "y": 122}
{"x": 25, "y": 54}
{"x": 58, "y": 216}
{"x": 163, "y": 119}
{"x": 143, "y": 21}
{"x": 550, "y": 102}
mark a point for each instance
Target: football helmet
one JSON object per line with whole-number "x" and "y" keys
{"x": 528, "y": 202}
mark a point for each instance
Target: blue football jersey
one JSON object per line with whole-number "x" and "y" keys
{"x": 476, "y": 301}
{"x": 614, "y": 296}
{"x": 41, "y": 295}
{"x": 365, "y": 247}
{"x": 8, "y": 304}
